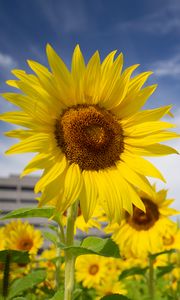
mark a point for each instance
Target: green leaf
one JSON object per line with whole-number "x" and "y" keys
{"x": 153, "y": 256}
{"x": 77, "y": 293}
{"x": 30, "y": 212}
{"x": 27, "y": 282}
{"x": 20, "y": 298}
{"x": 50, "y": 237}
{"x": 132, "y": 271}
{"x": 21, "y": 257}
{"x": 115, "y": 297}
{"x": 95, "y": 245}
{"x": 59, "y": 295}
{"x": 164, "y": 270}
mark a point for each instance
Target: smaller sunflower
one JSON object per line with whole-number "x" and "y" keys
{"x": 23, "y": 236}
{"x": 91, "y": 270}
{"x": 171, "y": 238}
{"x": 2, "y": 239}
{"x": 142, "y": 232}
{"x": 110, "y": 287}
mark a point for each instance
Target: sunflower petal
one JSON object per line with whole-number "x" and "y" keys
{"x": 88, "y": 198}
{"x": 54, "y": 171}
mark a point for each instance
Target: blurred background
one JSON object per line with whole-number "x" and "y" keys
{"x": 147, "y": 32}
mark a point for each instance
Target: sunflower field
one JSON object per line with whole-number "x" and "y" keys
{"x": 102, "y": 270}
{"x": 90, "y": 135}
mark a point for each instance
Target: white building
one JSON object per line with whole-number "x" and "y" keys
{"x": 17, "y": 193}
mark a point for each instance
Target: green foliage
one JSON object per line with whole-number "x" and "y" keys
{"x": 95, "y": 245}
{"x": 164, "y": 270}
{"x": 132, "y": 271}
{"x": 30, "y": 212}
{"x": 50, "y": 237}
{"x": 115, "y": 297}
{"x": 21, "y": 257}
{"x": 59, "y": 295}
{"x": 27, "y": 282}
{"x": 153, "y": 256}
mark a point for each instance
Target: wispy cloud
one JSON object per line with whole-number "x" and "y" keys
{"x": 163, "y": 21}
{"x": 167, "y": 67}
{"x": 65, "y": 16}
{"x": 7, "y": 61}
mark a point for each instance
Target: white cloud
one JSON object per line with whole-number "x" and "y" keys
{"x": 167, "y": 67}
{"x": 7, "y": 61}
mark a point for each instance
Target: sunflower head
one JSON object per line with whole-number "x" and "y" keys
{"x": 147, "y": 232}
{"x": 88, "y": 132}
{"x": 23, "y": 236}
{"x": 91, "y": 270}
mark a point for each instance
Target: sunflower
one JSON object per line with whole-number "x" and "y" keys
{"x": 142, "y": 233}
{"x": 23, "y": 236}
{"x": 171, "y": 238}
{"x": 91, "y": 270}
{"x": 2, "y": 239}
{"x": 110, "y": 287}
{"x": 88, "y": 133}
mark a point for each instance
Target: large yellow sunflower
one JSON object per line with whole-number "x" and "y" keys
{"x": 88, "y": 131}
{"x": 143, "y": 232}
{"x": 23, "y": 236}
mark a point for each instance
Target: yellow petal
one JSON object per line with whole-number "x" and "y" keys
{"x": 132, "y": 103}
{"x": 142, "y": 166}
{"x": 151, "y": 150}
{"x": 40, "y": 161}
{"x": 72, "y": 186}
{"x": 88, "y": 197}
{"x": 132, "y": 177}
{"x": 92, "y": 79}
{"x": 17, "y": 117}
{"x": 37, "y": 142}
{"x": 146, "y": 116}
{"x": 147, "y": 128}
{"x": 57, "y": 168}
{"x": 151, "y": 139}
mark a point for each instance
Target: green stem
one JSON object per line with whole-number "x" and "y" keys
{"x": 58, "y": 261}
{"x": 151, "y": 281}
{"x": 69, "y": 257}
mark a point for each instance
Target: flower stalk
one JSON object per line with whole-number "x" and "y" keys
{"x": 151, "y": 279}
{"x": 69, "y": 257}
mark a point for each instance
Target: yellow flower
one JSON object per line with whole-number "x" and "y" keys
{"x": 23, "y": 236}
{"x": 171, "y": 238}
{"x": 91, "y": 270}
{"x": 143, "y": 232}
{"x": 47, "y": 256}
{"x": 110, "y": 287}
{"x": 88, "y": 132}
{"x": 2, "y": 239}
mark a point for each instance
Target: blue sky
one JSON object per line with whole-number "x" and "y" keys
{"x": 147, "y": 32}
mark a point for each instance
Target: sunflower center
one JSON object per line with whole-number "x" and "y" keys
{"x": 26, "y": 244}
{"x": 167, "y": 241}
{"x": 93, "y": 269}
{"x": 144, "y": 220}
{"x": 89, "y": 136}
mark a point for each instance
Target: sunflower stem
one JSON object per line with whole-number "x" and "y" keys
{"x": 58, "y": 262}
{"x": 151, "y": 281}
{"x": 69, "y": 257}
